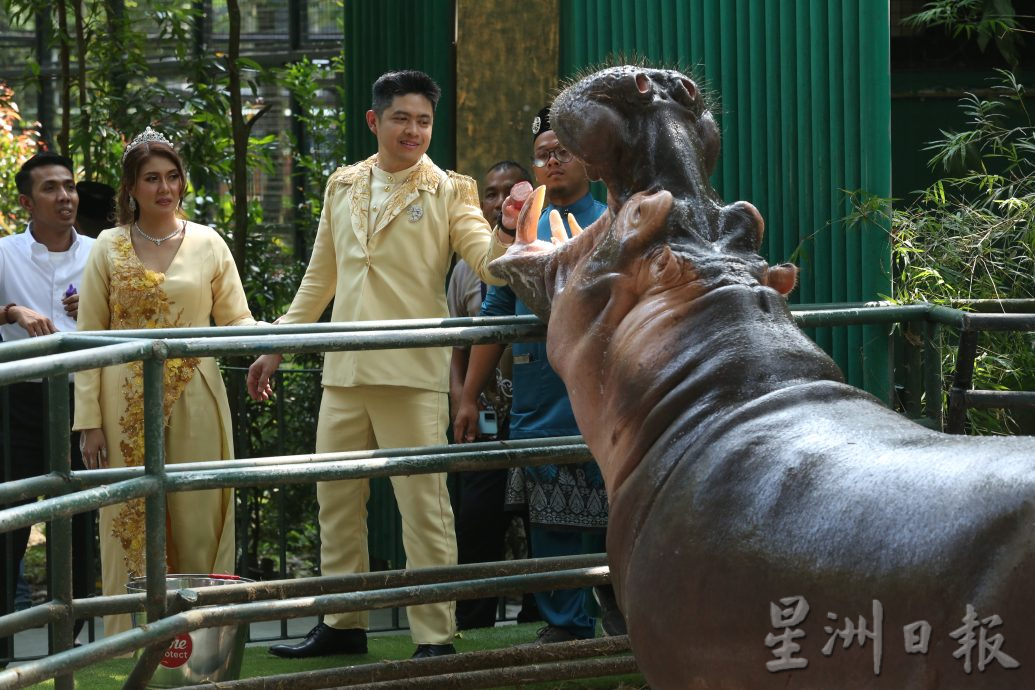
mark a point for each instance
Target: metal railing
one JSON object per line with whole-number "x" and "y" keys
{"x": 169, "y": 614}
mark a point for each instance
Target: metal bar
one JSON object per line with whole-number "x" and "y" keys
{"x": 82, "y": 501}
{"x": 167, "y": 628}
{"x": 1000, "y": 322}
{"x": 933, "y": 374}
{"x": 31, "y": 347}
{"x": 946, "y": 316}
{"x": 110, "y": 605}
{"x": 315, "y": 586}
{"x": 229, "y": 341}
{"x": 962, "y": 382}
{"x": 22, "y": 489}
{"x": 516, "y": 447}
{"x": 281, "y": 498}
{"x": 1009, "y": 306}
{"x": 998, "y": 399}
{"x": 588, "y": 668}
{"x": 313, "y": 328}
{"x": 468, "y": 661}
{"x": 79, "y": 340}
{"x": 471, "y": 456}
{"x": 865, "y": 315}
{"x": 7, "y": 552}
{"x": 68, "y": 362}
{"x": 914, "y": 370}
{"x": 154, "y": 465}
{"x": 333, "y": 471}
{"x": 32, "y": 617}
{"x": 155, "y": 513}
{"x": 59, "y": 530}
{"x": 361, "y": 341}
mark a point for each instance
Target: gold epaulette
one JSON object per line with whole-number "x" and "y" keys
{"x": 466, "y": 186}
{"x": 349, "y": 174}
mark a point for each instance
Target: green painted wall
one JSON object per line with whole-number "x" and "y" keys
{"x": 803, "y": 88}
{"x": 399, "y": 34}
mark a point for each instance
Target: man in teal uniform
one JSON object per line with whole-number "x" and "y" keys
{"x": 567, "y": 503}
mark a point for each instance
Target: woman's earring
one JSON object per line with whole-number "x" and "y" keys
{"x": 132, "y": 204}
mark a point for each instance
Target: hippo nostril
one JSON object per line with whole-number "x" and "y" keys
{"x": 643, "y": 83}
{"x": 691, "y": 88}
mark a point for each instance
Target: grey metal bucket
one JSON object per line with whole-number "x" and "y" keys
{"x": 204, "y": 655}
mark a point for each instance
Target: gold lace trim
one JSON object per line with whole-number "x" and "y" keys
{"x": 137, "y": 300}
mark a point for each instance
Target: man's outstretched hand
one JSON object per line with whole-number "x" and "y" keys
{"x": 259, "y": 375}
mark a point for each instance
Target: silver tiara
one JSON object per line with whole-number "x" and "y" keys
{"x": 146, "y": 137}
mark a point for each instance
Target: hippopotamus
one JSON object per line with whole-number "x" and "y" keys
{"x": 770, "y": 525}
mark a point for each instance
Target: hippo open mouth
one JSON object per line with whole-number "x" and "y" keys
{"x": 638, "y": 129}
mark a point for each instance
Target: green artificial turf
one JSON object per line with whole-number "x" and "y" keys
{"x": 259, "y": 662}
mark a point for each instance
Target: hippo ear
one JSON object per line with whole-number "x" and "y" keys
{"x": 781, "y": 278}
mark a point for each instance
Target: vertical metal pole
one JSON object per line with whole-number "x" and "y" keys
{"x": 7, "y": 553}
{"x": 154, "y": 466}
{"x": 962, "y": 381}
{"x": 59, "y": 530}
{"x": 281, "y": 491}
{"x": 154, "y": 509}
{"x": 914, "y": 374}
{"x": 933, "y": 373}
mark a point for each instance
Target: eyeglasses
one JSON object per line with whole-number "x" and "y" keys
{"x": 562, "y": 156}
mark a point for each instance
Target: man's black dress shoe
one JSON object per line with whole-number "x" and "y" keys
{"x": 323, "y": 640}
{"x": 428, "y": 650}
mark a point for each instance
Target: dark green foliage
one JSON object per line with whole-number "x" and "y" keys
{"x": 145, "y": 66}
{"x": 982, "y": 21}
{"x": 971, "y": 235}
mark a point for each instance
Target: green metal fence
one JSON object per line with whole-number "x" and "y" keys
{"x": 53, "y": 357}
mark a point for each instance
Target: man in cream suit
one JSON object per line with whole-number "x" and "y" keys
{"x": 388, "y": 229}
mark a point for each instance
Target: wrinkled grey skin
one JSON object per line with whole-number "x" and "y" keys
{"x": 741, "y": 469}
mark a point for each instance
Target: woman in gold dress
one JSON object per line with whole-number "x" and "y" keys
{"x": 158, "y": 270}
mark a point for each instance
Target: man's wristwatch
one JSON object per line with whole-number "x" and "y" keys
{"x": 7, "y": 312}
{"x": 506, "y": 231}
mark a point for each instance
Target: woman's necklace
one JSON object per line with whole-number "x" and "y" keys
{"x": 158, "y": 240}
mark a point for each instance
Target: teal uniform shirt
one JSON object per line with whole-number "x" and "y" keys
{"x": 567, "y": 497}
{"x": 540, "y": 407}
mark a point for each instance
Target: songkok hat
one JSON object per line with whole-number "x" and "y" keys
{"x": 96, "y": 199}
{"x": 541, "y": 123}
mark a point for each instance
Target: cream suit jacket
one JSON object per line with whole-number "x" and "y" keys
{"x": 395, "y": 270}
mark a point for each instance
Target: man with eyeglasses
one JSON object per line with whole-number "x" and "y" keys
{"x": 567, "y": 503}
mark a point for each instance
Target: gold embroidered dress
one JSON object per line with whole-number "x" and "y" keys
{"x": 200, "y": 287}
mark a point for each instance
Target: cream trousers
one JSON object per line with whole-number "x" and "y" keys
{"x": 366, "y": 418}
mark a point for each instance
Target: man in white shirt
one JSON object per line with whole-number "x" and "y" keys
{"x": 40, "y": 270}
